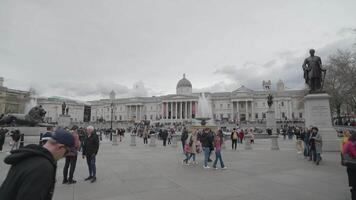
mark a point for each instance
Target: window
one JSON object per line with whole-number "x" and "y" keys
{"x": 283, "y": 115}
{"x": 115, "y": 117}
{"x": 221, "y": 116}
{"x": 151, "y": 107}
{"x": 214, "y": 116}
{"x": 120, "y": 118}
{"x": 282, "y": 103}
{"x": 300, "y": 115}
{"x": 151, "y": 116}
{"x": 228, "y": 115}
{"x": 264, "y": 115}
{"x": 292, "y": 115}
{"x": 221, "y": 105}
{"x": 256, "y": 115}
{"x": 228, "y": 106}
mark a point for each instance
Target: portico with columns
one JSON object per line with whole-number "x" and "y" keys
{"x": 179, "y": 109}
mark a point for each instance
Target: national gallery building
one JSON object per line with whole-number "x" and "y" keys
{"x": 238, "y": 106}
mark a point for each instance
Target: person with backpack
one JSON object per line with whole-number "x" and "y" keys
{"x": 234, "y": 137}
{"x": 349, "y": 160}
{"x": 184, "y": 137}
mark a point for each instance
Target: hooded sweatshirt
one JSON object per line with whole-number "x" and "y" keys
{"x": 31, "y": 176}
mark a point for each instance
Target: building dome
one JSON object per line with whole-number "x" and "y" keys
{"x": 184, "y": 86}
{"x": 184, "y": 82}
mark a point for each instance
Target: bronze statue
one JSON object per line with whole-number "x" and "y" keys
{"x": 269, "y": 100}
{"x": 63, "y": 107}
{"x": 313, "y": 69}
{"x": 67, "y": 110}
{"x": 34, "y": 117}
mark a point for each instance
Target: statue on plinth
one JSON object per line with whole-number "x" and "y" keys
{"x": 63, "y": 107}
{"x": 269, "y": 100}
{"x": 313, "y": 72}
{"x": 67, "y": 110}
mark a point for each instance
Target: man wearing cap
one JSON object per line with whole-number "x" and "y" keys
{"x": 90, "y": 149}
{"x": 33, "y": 168}
{"x": 44, "y": 137}
{"x": 71, "y": 158}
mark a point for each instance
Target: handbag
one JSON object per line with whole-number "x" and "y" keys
{"x": 349, "y": 161}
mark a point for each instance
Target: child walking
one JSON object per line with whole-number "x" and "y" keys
{"x": 217, "y": 146}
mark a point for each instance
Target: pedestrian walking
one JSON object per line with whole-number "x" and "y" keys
{"x": 349, "y": 156}
{"x": 218, "y": 157}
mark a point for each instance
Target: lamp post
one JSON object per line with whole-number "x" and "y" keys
{"x": 112, "y": 111}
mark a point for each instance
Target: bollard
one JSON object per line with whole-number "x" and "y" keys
{"x": 274, "y": 140}
{"x": 152, "y": 140}
{"x": 248, "y": 142}
{"x": 174, "y": 141}
{"x": 114, "y": 139}
{"x": 133, "y": 139}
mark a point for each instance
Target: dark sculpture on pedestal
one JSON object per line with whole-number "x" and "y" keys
{"x": 269, "y": 100}
{"x": 313, "y": 72}
{"x": 34, "y": 117}
{"x": 63, "y": 108}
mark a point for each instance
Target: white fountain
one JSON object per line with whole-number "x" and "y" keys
{"x": 204, "y": 115}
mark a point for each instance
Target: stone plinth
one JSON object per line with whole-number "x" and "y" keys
{"x": 317, "y": 113}
{"x": 64, "y": 121}
{"x": 271, "y": 120}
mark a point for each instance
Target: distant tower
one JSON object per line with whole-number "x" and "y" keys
{"x": 112, "y": 95}
{"x": 280, "y": 85}
{"x": 267, "y": 85}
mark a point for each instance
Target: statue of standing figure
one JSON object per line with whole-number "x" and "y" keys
{"x": 313, "y": 72}
{"x": 63, "y": 107}
{"x": 270, "y": 100}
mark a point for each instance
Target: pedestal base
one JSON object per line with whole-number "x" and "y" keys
{"x": 64, "y": 121}
{"x": 317, "y": 113}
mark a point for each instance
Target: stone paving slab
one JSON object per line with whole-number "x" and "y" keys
{"x": 144, "y": 172}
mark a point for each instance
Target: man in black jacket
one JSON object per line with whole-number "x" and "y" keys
{"x": 90, "y": 149}
{"x": 33, "y": 171}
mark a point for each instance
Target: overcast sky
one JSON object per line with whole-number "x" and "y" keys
{"x": 84, "y": 49}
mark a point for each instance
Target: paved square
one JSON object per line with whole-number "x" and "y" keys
{"x": 156, "y": 173}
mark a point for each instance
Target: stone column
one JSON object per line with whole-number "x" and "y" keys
{"x": 169, "y": 106}
{"x": 176, "y": 110}
{"x": 246, "y": 111}
{"x": 252, "y": 111}
{"x": 238, "y": 111}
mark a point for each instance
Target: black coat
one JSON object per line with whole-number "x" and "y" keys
{"x": 31, "y": 176}
{"x": 91, "y": 145}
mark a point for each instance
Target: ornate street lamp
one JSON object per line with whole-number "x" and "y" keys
{"x": 112, "y": 110}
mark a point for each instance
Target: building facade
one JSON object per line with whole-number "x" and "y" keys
{"x": 238, "y": 106}
{"x": 12, "y": 101}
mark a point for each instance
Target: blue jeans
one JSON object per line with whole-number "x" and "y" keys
{"x": 314, "y": 155}
{"x": 206, "y": 155}
{"x": 186, "y": 157}
{"x": 218, "y": 157}
{"x": 192, "y": 155}
{"x": 91, "y": 165}
{"x": 306, "y": 149}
